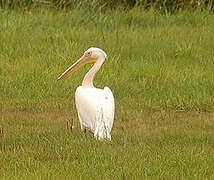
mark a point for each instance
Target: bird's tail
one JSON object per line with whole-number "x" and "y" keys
{"x": 102, "y": 131}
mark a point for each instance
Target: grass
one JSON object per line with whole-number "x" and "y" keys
{"x": 160, "y": 69}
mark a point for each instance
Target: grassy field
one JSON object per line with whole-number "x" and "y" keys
{"x": 160, "y": 69}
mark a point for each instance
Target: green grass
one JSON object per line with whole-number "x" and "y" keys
{"x": 160, "y": 69}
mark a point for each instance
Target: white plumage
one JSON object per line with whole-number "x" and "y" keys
{"x": 95, "y": 106}
{"x": 95, "y": 110}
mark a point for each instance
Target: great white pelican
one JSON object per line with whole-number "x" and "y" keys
{"x": 95, "y": 106}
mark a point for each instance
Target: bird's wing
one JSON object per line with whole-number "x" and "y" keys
{"x": 87, "y": 107}
{"x": 96, "y": 110}
{"x": 108, "y": 108}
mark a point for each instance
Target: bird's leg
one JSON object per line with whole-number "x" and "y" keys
{"x": 1, "y": 131}
{"x": 84, "y": 132}
{"x": 83, "y": 129}
{"x": 70, "y": 126}
{"x": 67, "y": 125}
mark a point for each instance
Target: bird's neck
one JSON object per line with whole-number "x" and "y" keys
{"x": 89, "y": 77}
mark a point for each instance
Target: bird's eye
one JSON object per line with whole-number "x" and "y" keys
{"x": 88, "y": 53}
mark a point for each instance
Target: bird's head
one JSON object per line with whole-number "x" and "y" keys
{"x": 92, "y": 55}
{"x": 95, "y": 53}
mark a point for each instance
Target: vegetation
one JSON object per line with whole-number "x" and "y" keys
{"x": 160, "y": 69}
{"x": 166, "y": 6}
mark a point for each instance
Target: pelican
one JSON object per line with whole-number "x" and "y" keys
{"x": 95, "y": 107}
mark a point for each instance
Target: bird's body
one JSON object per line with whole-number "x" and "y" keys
{"x": 95, "y": 109}
{"x": 95, "y": 106}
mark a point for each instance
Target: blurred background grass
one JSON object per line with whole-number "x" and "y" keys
{"x": 166, "y": 6}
